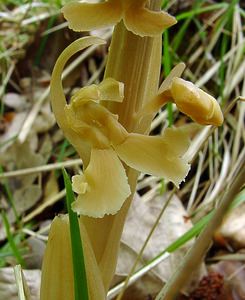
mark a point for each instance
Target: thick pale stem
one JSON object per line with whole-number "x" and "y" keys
{"x": 135, "y": 61}
{"x": 138, "y": 67}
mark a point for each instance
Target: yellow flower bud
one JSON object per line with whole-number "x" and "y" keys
{"x": 195, "y": 103}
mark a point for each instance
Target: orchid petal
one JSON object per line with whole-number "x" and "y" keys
{"x": 111, "y": 90}
{"x": 175, "y": 72}
{"x": 158, "y": 156}
{"x": 145, "y": 22}
{"x": 106, "y": 185}
{"x": 108, "y": 90}
{"x": 85, "y": 94}
{"x": 89, "y": 16}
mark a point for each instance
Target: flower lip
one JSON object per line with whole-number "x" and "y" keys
{"x": 103, "y": 187}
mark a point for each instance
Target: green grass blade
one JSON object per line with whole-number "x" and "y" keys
{"x": 227, "y": 15}
{"x": 10, "y": 197}
{"x": 201, "y": 32}
{"x": 61, "y": 154}
{"x": 192, "y": 233}
{"x": 166, "y": 60}
{"x": 162, "y": 188}
{"x": 10, "y": 140}
{"x": 44, "y": 42}
{"x": 164, "y": 4}
{"x": 182, "y": 32}
{"x": 198, "y": 227}
{"x": 223, "y": 50}
{"x": 11, "y": 254}
{"x": 196, "y": 253}
{"x": 167, "y": 65}
{"x": 80, "y": 279}
{"x": 198, "y": 11}
{"x": 219, "y": 26}
{"x": 240, "y": 198}
{"x": 11, "y": 241}
{"x": 180, "y": 35}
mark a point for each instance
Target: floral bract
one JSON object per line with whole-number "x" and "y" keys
{"x": 136, "y": 16}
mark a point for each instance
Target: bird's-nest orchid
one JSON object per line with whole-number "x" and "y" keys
{"x": 104, "y": 144}
{"x": 134, "y": 13}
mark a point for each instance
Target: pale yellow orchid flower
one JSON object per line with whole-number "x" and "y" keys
{"x": 134, "y": 13}
{"x": 189, "y": 99}
{"x": 103, "y": 187}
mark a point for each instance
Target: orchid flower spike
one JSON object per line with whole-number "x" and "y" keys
{"x": 103, "y": 186}
{"x": 136, "y": 16}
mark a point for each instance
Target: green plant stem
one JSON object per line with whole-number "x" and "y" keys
{"x": 194, "y": 256}
{"x": 11, "y": 241}
{"x": 10, "y": 197}
{"x": 167, "y": 64}
{"x": 43, "y": 42}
